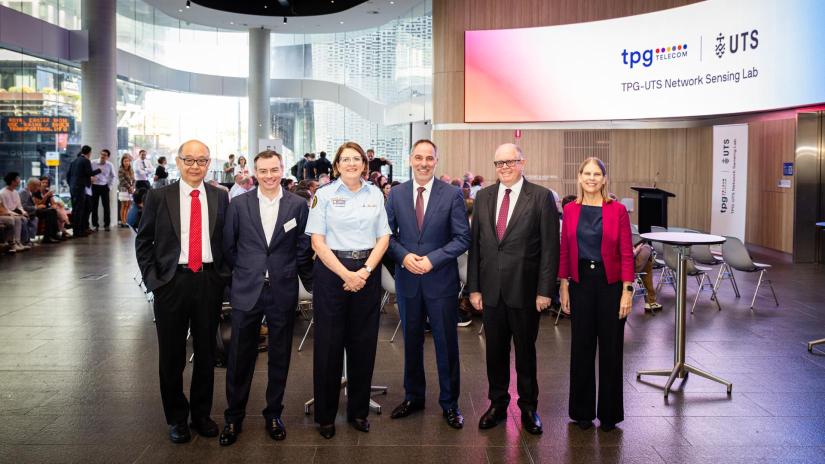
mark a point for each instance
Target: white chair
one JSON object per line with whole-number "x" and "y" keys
{"x": 304, "y": 307}
{"x": 736, "y": 256}
{"x": 388, "y": 284}
{"x": 692, "y": 270}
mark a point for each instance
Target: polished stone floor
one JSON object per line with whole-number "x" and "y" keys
{"x": 78, "y": 380}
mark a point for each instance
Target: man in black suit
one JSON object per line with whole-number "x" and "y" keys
{"x": 79, "y": 178}
{"x": 514, "y": 257}
{"x": 266, "y": 247}
{"x": 178, "y": 247}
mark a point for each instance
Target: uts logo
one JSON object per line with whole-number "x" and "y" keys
{"x": 647, "y": 57}
{"x": 736, "y": 42}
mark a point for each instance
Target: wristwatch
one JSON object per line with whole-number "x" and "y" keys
{"x": 368, "y": 268}
{"x": 629, "y": 288}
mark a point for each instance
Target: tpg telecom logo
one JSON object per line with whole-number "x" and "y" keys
{"x": 647, "y": 57}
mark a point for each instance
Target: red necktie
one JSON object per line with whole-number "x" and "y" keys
{"x": 195, "y": 259}
{"x": 419, "y": 208}
{"x": 501, "y": 223}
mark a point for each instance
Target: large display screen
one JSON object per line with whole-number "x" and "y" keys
{"x": 709, "y": 58}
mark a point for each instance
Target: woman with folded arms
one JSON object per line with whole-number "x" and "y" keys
{"x": 596, "y": 272}
{"x": 350, "y": 233}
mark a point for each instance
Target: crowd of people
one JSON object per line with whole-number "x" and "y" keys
{"x": 332, "y": 231}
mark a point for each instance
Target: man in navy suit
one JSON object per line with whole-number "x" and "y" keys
{"x": 265, "y": 245}
{"x": 429, "y": 232}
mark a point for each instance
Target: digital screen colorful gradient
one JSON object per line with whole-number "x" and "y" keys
{"x": 709, "y": 58}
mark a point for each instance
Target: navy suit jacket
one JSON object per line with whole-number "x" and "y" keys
{"x": 445, "y": 236}
{"x": 286, "y": 256}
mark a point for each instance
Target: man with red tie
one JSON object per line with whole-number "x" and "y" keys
{"x": 178, "y": 247}
{"x": 511, "y": 269}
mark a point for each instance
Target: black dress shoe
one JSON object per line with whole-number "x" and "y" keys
{"x": 276, "y": 429}
{"x": 454, "y": 418}
{"x": 205, "y": 427}
{"x": 406, "y": 408}
{"x": 179, "y": 433}
{"x": 492, "y": 417}
{"x": 327, "y": 431}
{"x": 531, "y": 422}
{"x": 607, "y": 426}
{"x": 229, "y": 434}
{"x": 361, "y": 425}
{"x": 584, "y": 424}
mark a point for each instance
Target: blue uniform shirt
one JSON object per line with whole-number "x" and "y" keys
{"x": 348, "y": 220}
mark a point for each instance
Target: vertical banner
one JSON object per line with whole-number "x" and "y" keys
{"x": 730, "y": 180}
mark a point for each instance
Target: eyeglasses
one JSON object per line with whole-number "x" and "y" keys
{"x": 510, "y": 163}
{"x": 191, "y": 161}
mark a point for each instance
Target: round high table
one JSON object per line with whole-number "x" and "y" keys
{"x": 821, "y": 341}
{"x": 682, "y": 242}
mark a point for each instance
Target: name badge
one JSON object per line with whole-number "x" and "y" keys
{"x": 289, "y": 225}
{"x": 339, "y": 202}
{"x": 369, "y": 205}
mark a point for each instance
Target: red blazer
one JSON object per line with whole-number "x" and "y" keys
{"x": 617, "y": 249}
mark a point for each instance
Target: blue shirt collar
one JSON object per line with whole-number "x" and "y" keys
{"x": 338, "y": 185}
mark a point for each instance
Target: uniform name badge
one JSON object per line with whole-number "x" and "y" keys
{"x": 339, "y": 202}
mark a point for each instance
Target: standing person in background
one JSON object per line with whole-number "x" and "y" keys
{"x": 242, "y": 168}
{"x": 79, "y": 178}
{"x": 180, "y": 256}
{"x": 475, "y": 185}
{"x": 144, "y": 171}
{"x": 161, "y": 174}
{"x": 309, "y": 168}
{"x": 322, "y": 165}
{"x": 376, "y": 163}
{"x": 229, "y": 169}
{"x": 125, "y": 187}
{"x": 349, "y": 230}
{"x": 102, "y": 184}
{"x": 430, "y": 231}
{"x": 596, "y": 272}
{"x": 511, "y": 273}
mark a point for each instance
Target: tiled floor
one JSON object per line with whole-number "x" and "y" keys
{"x": 78, "y": 380}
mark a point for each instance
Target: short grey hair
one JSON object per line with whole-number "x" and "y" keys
{"x": 180, "y": 148}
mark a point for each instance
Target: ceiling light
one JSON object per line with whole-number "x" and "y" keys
{"x": 188, "y": 3}
{"x": 180, "y": 11}
{"x": 232, "y": 22}
{"x": 341, "y": 22}
{"x": 392, "y": 3}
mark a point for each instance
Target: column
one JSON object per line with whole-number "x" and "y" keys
{"x": 98, "y": 79}
{"x": 257, "y": 85}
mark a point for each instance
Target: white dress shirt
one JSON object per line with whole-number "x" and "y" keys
{"x": 107, "y": 173}
{"x": 185, "y": 213}
{"x": 515, "y": 190}
{"x": 143, "y": 169}
{"x": 269, "y": 212}
{"x": 428, "y": 188}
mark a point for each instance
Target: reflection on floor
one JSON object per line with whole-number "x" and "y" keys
{"x": 78, "y": 380}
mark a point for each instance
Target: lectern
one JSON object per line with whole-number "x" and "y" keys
{"x": 652, "y": 207}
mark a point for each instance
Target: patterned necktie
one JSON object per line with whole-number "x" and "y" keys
{"x": 195, "y": 259}
{"x": 419, "y": 208}
{"x": 501, "y": 223}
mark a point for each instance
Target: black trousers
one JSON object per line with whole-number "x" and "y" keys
{"x": 594, "y": 309}
{"x": 79, "y": 220}
{"x": 521, "y": 325}
{"x": 101, "y": 192}
{"x": 139, "y": 184}
{"x": 189, "y": 301}
{"x": 48, "y": 216}
{"x": 343, "y": 321}
{"x": 243, "y": 351}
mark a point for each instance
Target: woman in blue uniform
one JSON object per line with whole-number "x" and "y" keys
{"x": 350, "y": 233}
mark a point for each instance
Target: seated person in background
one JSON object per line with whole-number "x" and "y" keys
{"x": 242, "y": 185}
{"x": 15, "y": 224}
{"x": 136, "y": 210}
{"x": 11, "y": 200}
{"x": 39, "y": 212}
{"x": 216, "y": 184}
{"x": 46, "y": 197}
{"x": 643, "y": 258}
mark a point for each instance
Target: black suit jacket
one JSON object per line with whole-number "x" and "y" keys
{"x": 157, "y": 244}
{"x": 524, "y": 263}
{"x": 80, "y": 173}
{"x": 287, "y": 256}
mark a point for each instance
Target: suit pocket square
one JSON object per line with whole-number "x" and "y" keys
{"x": 289, "y": 225}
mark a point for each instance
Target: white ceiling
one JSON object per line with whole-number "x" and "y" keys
{"x": 372, "y": 13}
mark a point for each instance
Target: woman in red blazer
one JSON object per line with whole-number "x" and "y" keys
{"x": 596, "y": 272}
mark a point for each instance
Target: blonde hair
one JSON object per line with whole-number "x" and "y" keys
{"x": 603, "y": 191}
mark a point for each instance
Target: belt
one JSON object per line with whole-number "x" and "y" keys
{"x": 352, "y": 254}
{"x": 204, "y": 266}
{"x": 592, "y": 264}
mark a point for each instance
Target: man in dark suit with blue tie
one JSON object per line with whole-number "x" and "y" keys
{"x": 265, "y": 245}
{"x": 429, "y": 232}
